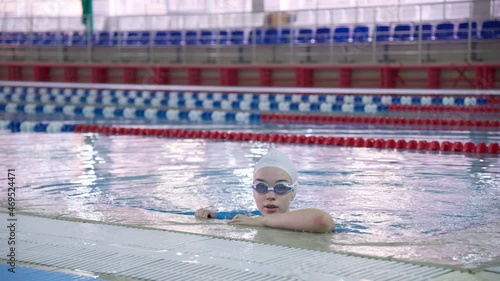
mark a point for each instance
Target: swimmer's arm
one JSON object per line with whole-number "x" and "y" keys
{"x": 311, "y": 220}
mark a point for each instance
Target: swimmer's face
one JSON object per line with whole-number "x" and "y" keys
{"x": 270, "y": 202}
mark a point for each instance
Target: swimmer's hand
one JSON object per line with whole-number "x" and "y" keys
{"x": 205, "y": 214}
{"x": 247, "y": 220}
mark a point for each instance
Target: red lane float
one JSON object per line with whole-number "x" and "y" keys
{"x": 445, "y": 146}
{"x": 320, "y": 119}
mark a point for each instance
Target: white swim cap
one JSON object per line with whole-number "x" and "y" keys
{"x": 277, "y": 159}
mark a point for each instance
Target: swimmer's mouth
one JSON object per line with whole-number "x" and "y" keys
{"x": 271, "y": 208}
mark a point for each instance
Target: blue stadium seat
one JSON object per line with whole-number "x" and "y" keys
{"x": 237, "y": 37}
{"x": 490, "y": 29}
{"x": 79, "y": 39}
{"x": 426, "y": 32}
{"x": 8, "y": 37}
{"x": 41, "y": 38}
{"x": 88, "y": 37}
{"x": 103, "y": 39}
{"x": 305, "y": 35}
{"x": 207, "y": 37}
{"x": 287, "y": 35}
{"x": 115, "y": 38}
{"x": 323, "y": 35}
{"x": 463, "y": 30}
{"x": 132, "y": 39}
{"x": 35, "y": 38}
{"x": 13, "y": 38}
{"x": 161, "y": 38}
{"x": 223, "y": 37}
{"x": 5, "y": 37}
{"x": 192, "y": 37}
{"x": 52, "y": 38}
{"x": 272, "y": 36}
{"x": 402, "y": 32}
{"x": 48, "y": 39}
{"x": 175, "y": 37}
{"x": 76, "y": 39}
{"x": 22, "y": 38}
{"x": 145, "y": 38}
{"x": 258, "y": 36}
{"x": 118, "y": 38}
{"x": 383, "y": 33}
{"x": 360, "y": 34}
{"x": 341, "y": 34}
{"x": 445, "y": 31}
{"x": 64, "y": 39}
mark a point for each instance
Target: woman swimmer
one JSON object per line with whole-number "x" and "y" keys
{"x": 274, "y": 181}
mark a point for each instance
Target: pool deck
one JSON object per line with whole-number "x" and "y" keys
{"x": 76, "y": 250}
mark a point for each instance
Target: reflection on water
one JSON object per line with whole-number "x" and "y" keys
{"x": 435, "y": 207}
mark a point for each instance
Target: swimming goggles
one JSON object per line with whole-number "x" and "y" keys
{"x": 279, "y": 188}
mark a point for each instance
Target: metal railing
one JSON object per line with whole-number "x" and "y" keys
{"x": 447, "y": 11}
{"x": 53, "y": 39}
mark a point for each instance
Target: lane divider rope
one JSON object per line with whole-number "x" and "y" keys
{"x": 323, "y": 119}
{"x": 422, "y": 145}
{"x": 237, "y": 116}
{"x": 263, "y": 100}
{"x": 298, "y": 139}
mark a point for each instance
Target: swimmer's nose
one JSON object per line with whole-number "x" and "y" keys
{"x": 270, "y": 195}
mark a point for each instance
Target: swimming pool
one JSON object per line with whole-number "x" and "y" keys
{"x": 432, "y": 207}
{"x": 411, "y": 204}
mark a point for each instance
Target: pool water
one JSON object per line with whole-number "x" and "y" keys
{"x": 432, "y": 207}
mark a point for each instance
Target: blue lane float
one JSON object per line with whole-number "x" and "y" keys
{"x": 16, "y": 126}
{"x": 183, "y": 98}
{"x": 132, "y": 112}
{"x": 16, "y": 106}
